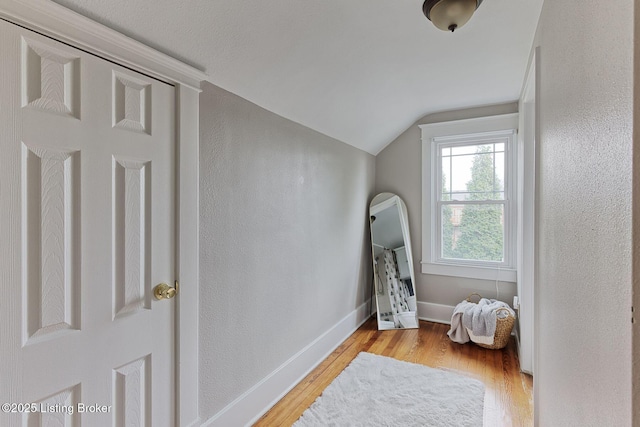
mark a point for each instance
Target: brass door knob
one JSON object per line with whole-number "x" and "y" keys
{"x": 164, "y": 291}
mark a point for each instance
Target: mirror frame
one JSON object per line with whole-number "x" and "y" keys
{"x": 388, "y": 200}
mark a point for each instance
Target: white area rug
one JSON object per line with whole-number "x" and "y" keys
{"x": 381, "y": 391}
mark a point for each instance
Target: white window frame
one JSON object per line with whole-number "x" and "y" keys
{"x": 467, "y": 132}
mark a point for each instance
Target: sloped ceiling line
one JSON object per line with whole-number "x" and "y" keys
{"x": 360, "y": 71}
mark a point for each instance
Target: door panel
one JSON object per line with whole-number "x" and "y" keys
{"x": 87, "y": 201}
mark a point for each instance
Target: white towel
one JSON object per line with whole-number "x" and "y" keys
{"x": 480, "y": 318}
{"x": 458, "y": 333}
{"x": 479, "y": 339}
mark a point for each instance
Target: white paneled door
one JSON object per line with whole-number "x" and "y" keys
{"x": 87, "y": 223}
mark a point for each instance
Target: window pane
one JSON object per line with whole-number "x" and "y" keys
{"x": 463, "y": 149}
{"x": 499, "y": 162}
{"x": 481, "y": 195}
{"x": 473, "y": 232}
{"x": 446, "y": 151}
{"x": 446, "y": 178}
{"x": 486, "y": 148}
{"x": 491, "y": 147}
{"x": 461, "y": 172}
{"x": 476, "y": 177}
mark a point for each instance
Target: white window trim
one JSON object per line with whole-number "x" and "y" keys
{"x": 459, "y": 130}
{"x": 507, "y": 137}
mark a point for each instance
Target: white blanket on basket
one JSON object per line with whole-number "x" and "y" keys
{"x": 479, "y": 319}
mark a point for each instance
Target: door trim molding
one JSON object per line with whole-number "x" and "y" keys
{"x": 188, "y": 254}
{"x": 57, "y": 22}
{"x": 65, "y": 25}
{"x": 529, "y": 106}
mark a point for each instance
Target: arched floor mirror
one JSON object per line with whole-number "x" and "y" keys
{"x": 394, "y": 278}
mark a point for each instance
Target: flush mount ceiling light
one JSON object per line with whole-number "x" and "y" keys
{"x": 449, "y": 15}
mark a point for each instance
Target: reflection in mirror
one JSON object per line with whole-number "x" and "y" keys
{"x": 392, "y": 263}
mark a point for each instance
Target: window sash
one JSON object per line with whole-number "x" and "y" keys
{"x": 439, "y": 144}
{"x": 506, "y": 141}
{"x": 439, "y": 257}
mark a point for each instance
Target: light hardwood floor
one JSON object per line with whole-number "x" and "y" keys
{"x": 509, "y": 393}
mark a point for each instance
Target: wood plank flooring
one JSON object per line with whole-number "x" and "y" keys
{"x": 509, "y": 393}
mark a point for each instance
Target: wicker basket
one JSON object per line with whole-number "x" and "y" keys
{"x": 504, "y": 326}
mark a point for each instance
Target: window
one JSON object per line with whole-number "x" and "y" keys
{"x": 470, "y": 211}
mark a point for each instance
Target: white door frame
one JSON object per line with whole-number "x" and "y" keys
{"x": 528, "y": 214}
{"x": 53, "y": 20}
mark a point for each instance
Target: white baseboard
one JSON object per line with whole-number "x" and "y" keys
{"x": 254, "y": 403}
{"x": 432, "y": 312}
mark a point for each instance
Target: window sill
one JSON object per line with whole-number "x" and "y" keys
{"x": 471, "y": 272}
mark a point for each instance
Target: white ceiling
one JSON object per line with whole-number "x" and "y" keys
{"x": 360, "y": 71}
{"x": 386, "y": 230}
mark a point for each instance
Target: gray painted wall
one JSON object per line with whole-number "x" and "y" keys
{"x": 583, "y": 371}
{"x": 284, "y": 244}
{"x": 399, "y": 170}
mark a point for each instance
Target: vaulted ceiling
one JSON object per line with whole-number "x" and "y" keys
{"x": 360, "y": 71}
